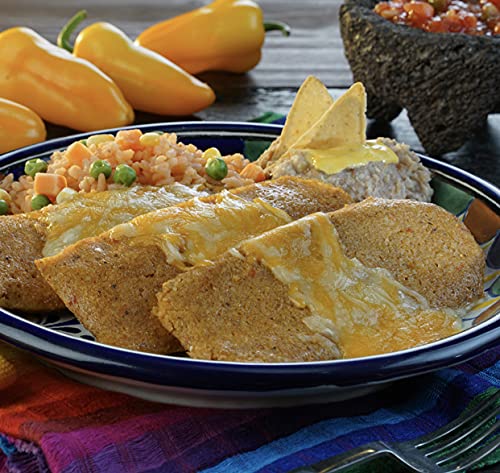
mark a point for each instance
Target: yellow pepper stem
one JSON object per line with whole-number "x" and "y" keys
{"x": 277, "y": 26}
{"x": 63, "y": 39}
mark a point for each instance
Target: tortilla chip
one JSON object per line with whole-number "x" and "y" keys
{"x": 343, "y": 124}
{"x": 311, "y": 102}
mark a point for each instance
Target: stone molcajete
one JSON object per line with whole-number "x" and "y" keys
{"x": 447, "y": 82}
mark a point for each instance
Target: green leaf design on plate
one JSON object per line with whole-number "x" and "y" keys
{"x": 268, "y": 117}
{"x": 495, "y": 288}
{"x": 449, "y": 197}
{"x": 253, "y": 149}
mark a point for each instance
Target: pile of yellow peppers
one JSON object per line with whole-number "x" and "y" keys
{"x": 98, "y": 82}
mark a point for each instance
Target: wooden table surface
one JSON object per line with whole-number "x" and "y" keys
{"x": 315, "y": 47}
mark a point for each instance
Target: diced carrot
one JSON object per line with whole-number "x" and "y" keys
{"x": 129, "y": 139}
{"x": 254, "y": 172}
{"x": 49, "y": 184}
{"x": 77, "y": 153}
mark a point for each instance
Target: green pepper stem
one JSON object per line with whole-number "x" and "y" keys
{"x": 67, "y": 30}
{"x": 277, "y": 25}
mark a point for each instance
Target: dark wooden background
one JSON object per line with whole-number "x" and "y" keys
{"x": 315, "y": 47}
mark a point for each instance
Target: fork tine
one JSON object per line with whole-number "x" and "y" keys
{"x": 473, "y": 460}
{"x": 460, "y": 452}
{"x": 459, "y": 435}
{"x": 459, "y": 422}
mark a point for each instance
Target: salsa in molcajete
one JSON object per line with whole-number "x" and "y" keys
{"x": 474, "y": 17}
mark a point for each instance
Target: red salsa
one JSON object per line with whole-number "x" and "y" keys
{"x": 475, "y": 17}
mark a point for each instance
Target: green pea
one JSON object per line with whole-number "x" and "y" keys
{"x": 124, "y": 175}
{"x": 39, "y": 201}
{"x": 100, "y": 167}
{"x": 4, "y": 207}
{"x": 216, "y": 168}
{"x": 35, "y": 165}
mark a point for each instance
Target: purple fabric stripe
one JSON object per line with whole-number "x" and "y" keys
{"x": 184, "y": 422}
{"x": 24, "y": 457}
{"x": 202, "y": 442}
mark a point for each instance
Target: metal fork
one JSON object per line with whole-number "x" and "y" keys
{"x": 454, "y": 448}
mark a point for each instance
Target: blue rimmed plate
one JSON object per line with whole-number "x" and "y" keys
{"x": 62, "y": 341}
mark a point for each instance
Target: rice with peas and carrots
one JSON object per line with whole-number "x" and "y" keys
{"x": 157, "y": 159}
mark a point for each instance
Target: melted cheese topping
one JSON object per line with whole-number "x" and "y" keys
{"x": 199, "y": 230}
{"x": 365, "y": 311}
{"x": 334, "y": 160}
{"x": 93, "y": 213}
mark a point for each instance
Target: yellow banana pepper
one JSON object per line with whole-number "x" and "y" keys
{"x": 60, "y": 88}
{"x": 149, "y": 82}
{"x": 226, "y": 35}
{"x": 19, "y": 126}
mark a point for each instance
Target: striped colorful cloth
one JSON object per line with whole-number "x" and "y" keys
{"x": 51, "y": 423}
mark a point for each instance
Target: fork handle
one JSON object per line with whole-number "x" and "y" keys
{"x": 338, "y": 463}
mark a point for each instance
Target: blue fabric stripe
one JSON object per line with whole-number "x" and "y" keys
{"x": 331, "y": 429}
{"x": 468, "y": 385}
{"x": 419, "y": 425}
{"x": 492, "y": 374}
{"x": 6, "y": 446}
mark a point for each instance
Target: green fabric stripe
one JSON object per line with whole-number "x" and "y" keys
{"x": 493, "y": 457}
